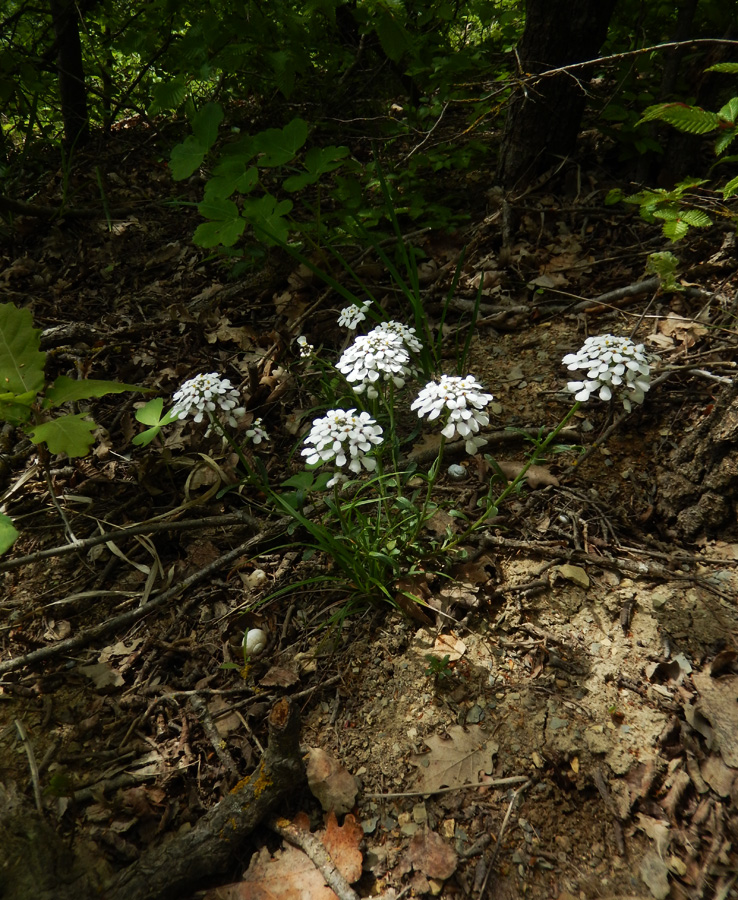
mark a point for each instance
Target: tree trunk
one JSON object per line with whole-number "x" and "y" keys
{"x": 544, "y": 118}
{"x": 72, "y": 90}
{"x": 698, "y": 494}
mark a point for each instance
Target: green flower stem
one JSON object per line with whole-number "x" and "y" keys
{"x": 250, "y": 474}
{"x": 535, "y": 456}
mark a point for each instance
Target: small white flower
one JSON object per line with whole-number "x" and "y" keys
{"x": 207, "y": 395}
{"x": 303, "y": 346}
{"x": 257, "y": 433}
{"x": 375, "y": 357}
{"x": 461, "y": 401}
{"x": 406, "y": 335}
{"x": 615, "y": 366}
{"x": 352, "y": 315}
{"x": 343, "y": 437}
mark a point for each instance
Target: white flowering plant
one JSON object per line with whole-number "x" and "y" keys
{"x": 377, "y": 503}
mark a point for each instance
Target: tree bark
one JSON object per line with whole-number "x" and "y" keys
{"x": 544, "y": 117}
{"x": 71, "y": 73}
{"x": 698, "y": 494}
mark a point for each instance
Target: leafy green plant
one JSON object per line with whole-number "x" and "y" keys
{"x": 28, "y": 402}
{"x": 676, "y": 208}
{"x": 665, "y": 266}
{"x": 439, "y": 668}
{"x": 682, "y": 208}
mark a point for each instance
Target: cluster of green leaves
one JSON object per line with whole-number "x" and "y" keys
{"x": 27, "y": 401}
{"x": 243, "y": 167}
{"x": 681, "y": 208}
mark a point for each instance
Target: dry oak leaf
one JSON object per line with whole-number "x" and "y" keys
{"x": 430, "y": 854}
{"x": 718, "y": 703}
{"x": 290, "y": 875}
{"x": 455, "y": 760}
{"x": 330, "y": 782}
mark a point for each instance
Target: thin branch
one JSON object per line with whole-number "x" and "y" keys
{"x": 500, "y": 835}
{"x": 238, "y": 518}
{"x": 89, "y": 635}
{"x": 315, "y": 851}
{"x": 31, "y": 764}
{"x": 526, "y": 80}
{"x": 496, "y": 782}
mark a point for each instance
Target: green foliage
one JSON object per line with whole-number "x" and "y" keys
{"x": 667, "y": 206}
{"x": 439, "y": 669}
{"x": 22, "y": 373}
{"x": 150, "y": 414}
{"x": 680, "y": 209}
{"x": 8, "y": 533}
{"x": 665, "y": 266}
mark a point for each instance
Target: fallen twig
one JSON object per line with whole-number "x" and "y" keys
{"x": 237, "y": 518}
{"x": 89, "y": 635}
{"x": 313, "y": 848}
{"x": 501, "y": 834}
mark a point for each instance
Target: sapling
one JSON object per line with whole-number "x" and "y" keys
{"x": 32, "y": 404}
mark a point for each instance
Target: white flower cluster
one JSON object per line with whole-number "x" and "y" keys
{"x": 304, "y": 348}
{"x": 352, "y": 315}
{"x": 406, "y": 335}
{"x": 343, "y": 437}
{"x": 378, "y": 356}
{"x": 207, "y": 395}
{"x": 462, "y": 401}
{"x": 614, "y": 365}
{"x": 257, "y": 433}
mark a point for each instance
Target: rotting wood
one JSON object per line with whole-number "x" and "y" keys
{"x": 171, "y": 869}
{"x": 210, "y": 848}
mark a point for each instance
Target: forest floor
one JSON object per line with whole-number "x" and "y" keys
{"x": 583, "y": 742}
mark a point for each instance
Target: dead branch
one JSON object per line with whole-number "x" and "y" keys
{"x": 36, "y": 863}
{"x": 313, "y": 848}
{"x": 89, "y": 635}
{"x": 211, "y": 847}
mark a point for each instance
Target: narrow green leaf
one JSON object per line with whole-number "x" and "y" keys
{"x": 725, "y": 140}
{"x": 731, "y": 188}
{"x": 730, "y": 111}
{"x": 73, "y": 435}
{"x": 691, "y": 119}
{"x": 730, "y": 67}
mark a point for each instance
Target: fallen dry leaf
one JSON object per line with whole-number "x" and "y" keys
{"x": 718, "y": 704}
{"x": 430, "y": 854}
{"x": 278, "y": 676}
{"x": 456, "y": 759}
{"x": 290, "y": 875}
{"x": 330, "y": 782}
{"x": 536, "y": 476}
{"x": 448, "y": 645}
